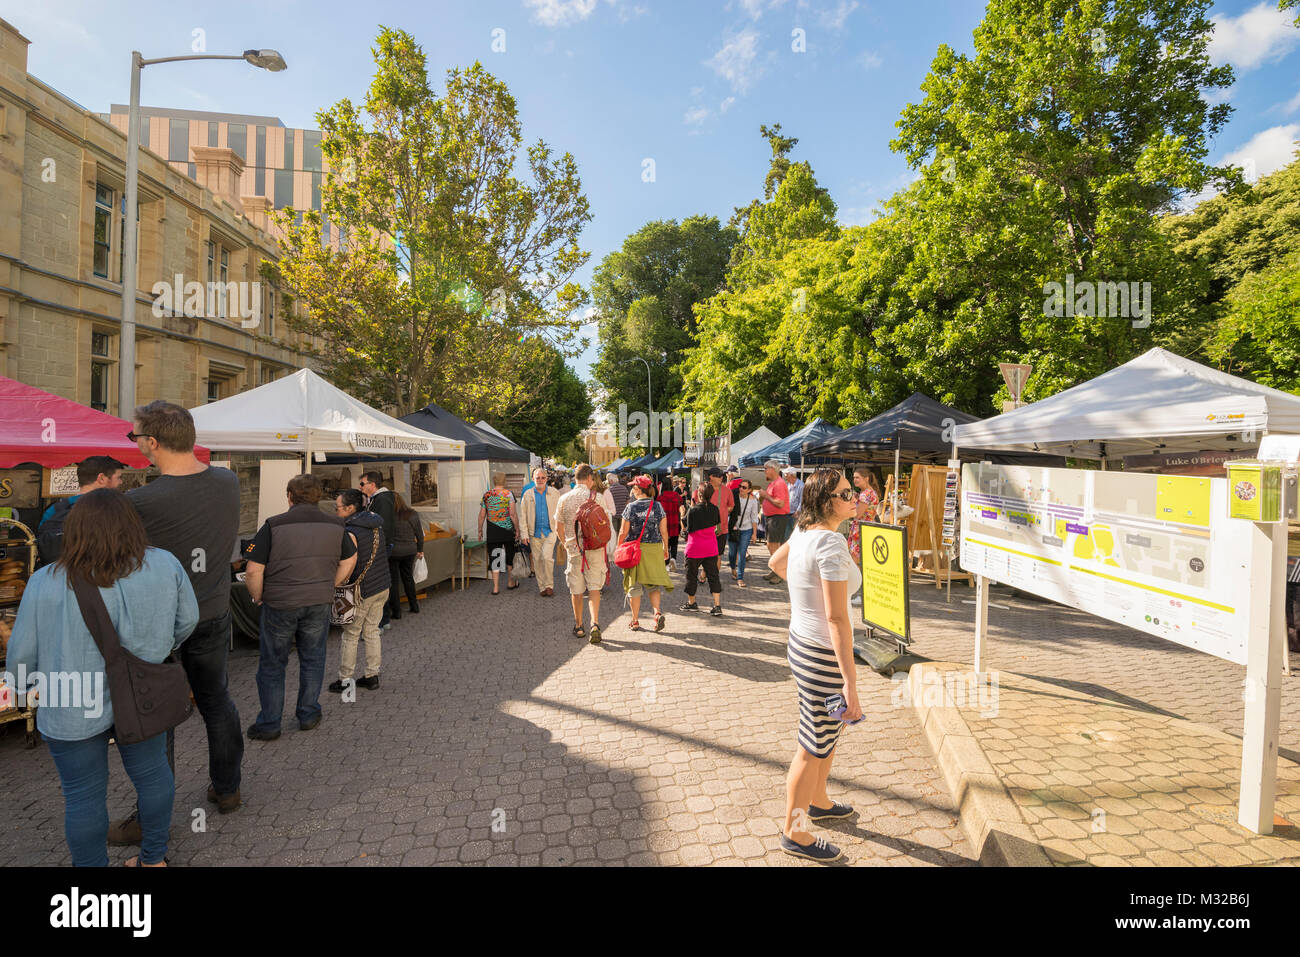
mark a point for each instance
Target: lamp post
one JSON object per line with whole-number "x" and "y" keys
{"x": 267, "y": 60}
{"x": 649, "y": 401}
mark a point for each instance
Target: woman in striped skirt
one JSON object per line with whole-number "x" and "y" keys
{"x": 821, "y": 574}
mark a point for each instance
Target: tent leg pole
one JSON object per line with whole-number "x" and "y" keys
{"x": 307, "y": 454}
{"x": 981, "y": 621}
{"x": 463, "y": 580}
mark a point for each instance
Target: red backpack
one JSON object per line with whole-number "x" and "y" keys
{"x": 592, "y": 525}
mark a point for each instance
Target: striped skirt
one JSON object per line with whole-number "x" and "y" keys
{"x": 817, "y": 675}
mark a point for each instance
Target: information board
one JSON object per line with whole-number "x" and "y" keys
{"x": 884, "y": 579}
{"x": 1154, "y": 552}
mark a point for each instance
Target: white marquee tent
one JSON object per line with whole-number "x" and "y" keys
{"x": 760, "y": 438}
{"x": 304, "y": 413}
{"x": 1158, "y": 402}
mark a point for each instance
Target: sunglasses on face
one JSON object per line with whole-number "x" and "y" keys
{"x": 137, "y": 436}
{"x": 845, "y": 495}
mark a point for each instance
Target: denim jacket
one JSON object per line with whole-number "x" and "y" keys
{"x": 51, "y": 650}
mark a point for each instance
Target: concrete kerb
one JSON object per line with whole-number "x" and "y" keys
{"x": 999, "y": 834}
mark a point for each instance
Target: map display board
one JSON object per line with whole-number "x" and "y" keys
{"x": 1155, "y": 552}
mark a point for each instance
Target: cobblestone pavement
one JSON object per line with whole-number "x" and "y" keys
{"x": 666, "y": 748}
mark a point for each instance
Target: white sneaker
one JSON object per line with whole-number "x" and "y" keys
{"x": 856, "y": 600}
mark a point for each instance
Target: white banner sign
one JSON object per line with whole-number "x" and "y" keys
{"x": 1154, "y": 552}
{"x": 373, "y": 444}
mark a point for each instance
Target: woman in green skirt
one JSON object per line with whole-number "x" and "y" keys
{"x": 650, "y": 575}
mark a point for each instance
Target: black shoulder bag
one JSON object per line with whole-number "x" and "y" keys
{"x": 148, "y": 698}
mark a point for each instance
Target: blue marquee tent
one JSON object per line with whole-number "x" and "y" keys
{"x": 790, "y": 450}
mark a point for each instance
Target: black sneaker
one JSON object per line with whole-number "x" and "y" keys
{"x": 337, "y": 687}
{"x": 370, "y": 682}
{"x": 257, "y": 734}
{"x": 716, "y": 611}
{"x": 690, "y": 606}
{"x": 835, "y": 811}
{"x": 820, "y": 850}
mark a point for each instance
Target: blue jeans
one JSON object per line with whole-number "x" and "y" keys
{"x": 83, "y": 774}
{"x": 742, "y": 547}
{"x": 203, "y": 656}
{"x": 281, "y": 628}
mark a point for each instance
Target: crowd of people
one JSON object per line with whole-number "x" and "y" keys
{"x": 163, "y": 556}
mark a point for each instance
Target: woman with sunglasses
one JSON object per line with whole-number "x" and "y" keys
{"x": 821, "y": 575}
{"x": 743, "y": 519}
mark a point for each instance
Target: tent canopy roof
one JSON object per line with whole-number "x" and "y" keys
{"x": 479, "y": 443}
{"x": 760, "y": 438}
{"x": 1158, "y": 402}
{"x": 304, "y": 409}
{"x": 75, "y": 431}
{"x": 791, "y": 449}
{"x": 920, "y": 429}
{"x": 669, "y": 461}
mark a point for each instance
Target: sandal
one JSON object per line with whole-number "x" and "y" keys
{"x": 595, "y": 634}
{"x": 740, "y": 583}
{"x": 659, "y": 622}
{"x": 512, "y": 587}
{"x": 579, "y": 631}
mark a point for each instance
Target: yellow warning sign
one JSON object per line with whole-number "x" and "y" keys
{"x": 884, "y": 579}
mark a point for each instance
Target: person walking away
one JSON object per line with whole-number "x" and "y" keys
{"x": 821, "y": 576}
{"x": 776, "y": 512}
{"x": 296, "y": 561}
{"x": 497, "y": 508}
{"x": 644, "y": 520}
{"x": 97, "y": 471}
{"x": 619, "y": 492}
{"x": 607, "y": 503}
{"x": 381, "y": 501}
{"x": 725, "y": 501}
{"x": 582, "y": 523}
{"x": 743, "y": 519}
{"x": 702, "y": 550}
{"x": 192, "y": 510}
{"x": 408, "y": 547}
{"x": 152, "y": 607}
{"x": 365, "y": 530}
{"x": 536, "y": 512}
{"x": 671, "y": 502}
{"x": 795, "y": 484}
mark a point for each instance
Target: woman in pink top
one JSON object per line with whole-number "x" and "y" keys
{"x": 702, "y": 522}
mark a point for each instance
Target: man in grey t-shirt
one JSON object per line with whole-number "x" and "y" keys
{"x": 192, "y": 511}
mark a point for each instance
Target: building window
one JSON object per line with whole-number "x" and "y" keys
{"x": 178, "y": 144}
{"x": 237, "y": 139}
{"x": 315, "y": 191}
{"x": 214, "y": 390}
{"x": 288, "y": 150}
{"x": 218, "y": 274}
{"x": 101, "y": 370}
{"x": 212, "y": 132}
{"x": 311, "y": 158}
{"x": 191, "y": 171}
{"x": 103, "y": 229}
{"x": 283, "y": 188}
{"x": 268, "y": 374}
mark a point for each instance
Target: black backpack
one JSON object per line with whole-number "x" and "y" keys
{"x": 49, "y": 537}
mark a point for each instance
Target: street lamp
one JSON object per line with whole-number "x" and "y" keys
{"x": 267, "y": 60}
{"x": 650, "y": 406}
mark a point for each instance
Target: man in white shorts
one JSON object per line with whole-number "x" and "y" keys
{"x": 585, "y": 569}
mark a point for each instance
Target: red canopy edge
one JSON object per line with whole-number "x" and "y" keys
{"x": 38, "y": 426}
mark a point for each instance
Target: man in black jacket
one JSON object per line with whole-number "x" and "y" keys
{"x": 380, "y": 501}
{"x": 367, "y": 534}
{"x": 98, "y": 471}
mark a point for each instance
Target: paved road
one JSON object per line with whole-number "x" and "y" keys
{"x": 496, "y": 737}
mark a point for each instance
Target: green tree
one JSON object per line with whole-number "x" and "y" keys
{"x": 644, "y": 294}
{"x": 551, "y": 414}
{"x": 457, "y": 271}
{"x": 1052, "y": 152}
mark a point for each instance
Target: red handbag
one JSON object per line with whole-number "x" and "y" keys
{"x": 628, "y": 555}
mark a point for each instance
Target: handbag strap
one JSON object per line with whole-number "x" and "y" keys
{"x": 374, "y": 553}
{"x": 95, "y": 613}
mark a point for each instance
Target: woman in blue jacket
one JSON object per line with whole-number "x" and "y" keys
{"x": 51, "y": 652}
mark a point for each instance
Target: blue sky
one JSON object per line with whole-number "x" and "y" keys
{"x": 619, "y": 82}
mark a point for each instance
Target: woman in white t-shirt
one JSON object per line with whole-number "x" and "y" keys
{"x": 821, "y": 575}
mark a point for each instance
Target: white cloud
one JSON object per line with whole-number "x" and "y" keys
{"x": 1215, "y": 95}
{"x": 1266, "y": 152}
{"x": 560, "y": 13}
{"x": 834, "y": 19}
{"x": 696, "y": 115}
{"x": 870, "y": 60}
{"x": 1290, "y": 106}
{"x": 726, "y": 104}
{"x": 737, "y": 61}
{"x": 755, "y": 8}
{"x": 1261, "y": 34}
